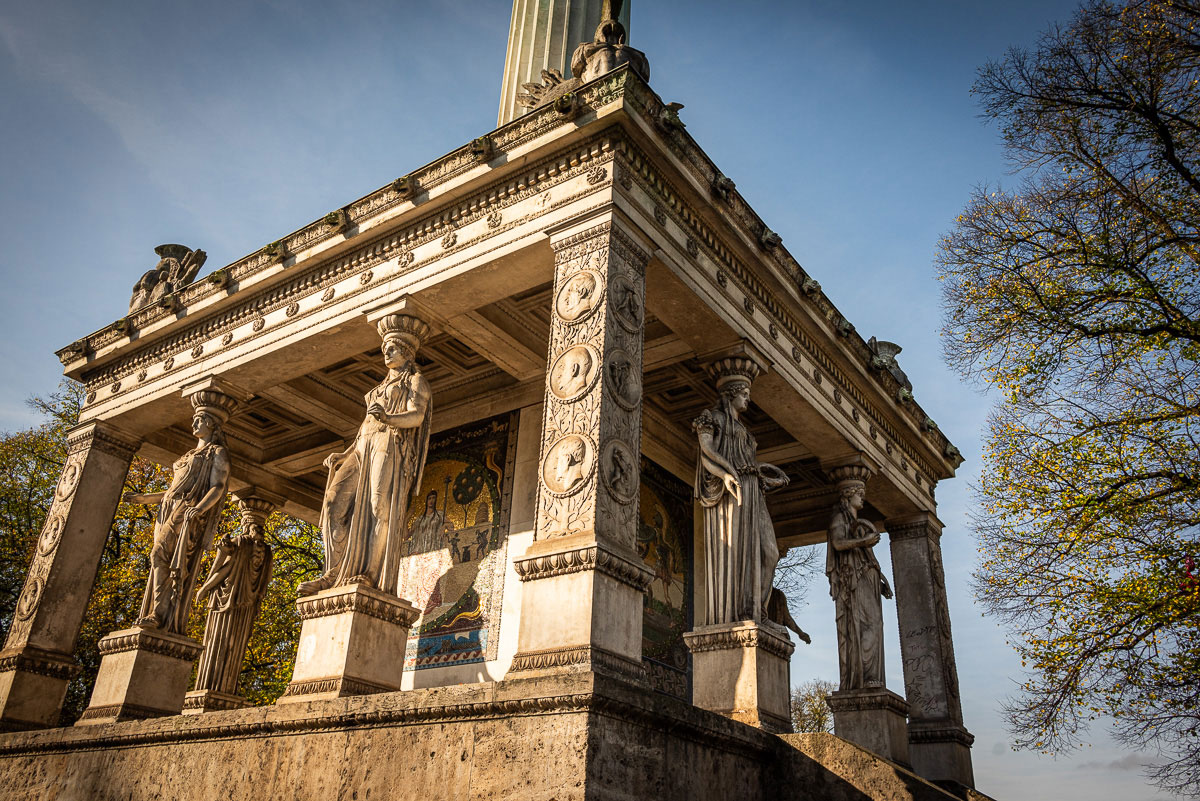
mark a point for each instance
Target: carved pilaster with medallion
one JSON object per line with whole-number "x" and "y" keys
{"x": 36, "y": 662}
{"x": 583, "y": 580}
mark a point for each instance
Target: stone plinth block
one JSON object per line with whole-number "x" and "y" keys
{"x": 199, "y": 701}
{"x": 352, "y": 642}
{"x": 33, "y": 684}
{"x": 874, "y": 718}
{"x": 941, "y": 751}
{"x": 144, "y": 673}
{"x": 581, "y": 608}
{"x": 740, "y": 670}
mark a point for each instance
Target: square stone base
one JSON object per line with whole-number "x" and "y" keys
{"x": 144, "y": 673}
{"x": 874, "y": 718}
{"x": 940, "y": 751}
{"x": 352, "y": 642}
{"x": 740, "y": 670}
{"x": 33, "y": 684}
{"x": 200, "y": 701}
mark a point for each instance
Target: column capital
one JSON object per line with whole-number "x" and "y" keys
{"x": 103, "y": 436}
{"x": 738, "y": 358}
{"x": 257, "y": 504}
{"x": 919, "y": 525}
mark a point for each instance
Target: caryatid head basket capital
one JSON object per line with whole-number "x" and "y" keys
{"x": 408, "y": 329}
{"x": 214, "y": 403}
{"x": 733, "y": 371}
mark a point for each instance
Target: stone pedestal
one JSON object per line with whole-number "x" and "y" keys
{"x": 199, "y": 701}
{"x": 740, "y": 670}
{"x": 144, "y": 673}
{"x": 581, "y": 609}
{"x": 33, "y": 684}
{"x": 352, "y": 642}
{"x": 875, "y": 718}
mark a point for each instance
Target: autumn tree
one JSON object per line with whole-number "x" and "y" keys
{"x": 31, "y": 461}
{"x": 810, "y": 710}
{"x": 1075, "y": 295}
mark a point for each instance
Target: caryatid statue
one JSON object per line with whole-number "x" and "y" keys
{"x": 187, "y": 515}
{"x": 236, "y": 583}
{"x": 856, "y": 584}
{"x": 371, "y": 482}
{"x": 739, "y": 539}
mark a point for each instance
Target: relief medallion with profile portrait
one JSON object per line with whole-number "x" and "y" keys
{"x": 579, "y": 296}
{"x": 574, "y": 372}
{"x": 568, "y": 464}
{"x": 624, "y": 380}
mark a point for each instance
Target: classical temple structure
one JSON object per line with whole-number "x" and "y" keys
{"x": 557, "y": 401}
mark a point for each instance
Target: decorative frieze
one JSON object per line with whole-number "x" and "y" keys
{"x": 151, "y": 642}
{"x": 591, "y": 557}
{"x": 336, "y": 685}
{"x": 395, "y": 611}
{"x": 749, "y": 637}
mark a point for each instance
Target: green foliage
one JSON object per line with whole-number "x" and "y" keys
{"x": 1077, "y": 296}
{"x": 31, "y": 462}
{"x": 810, "y": 710}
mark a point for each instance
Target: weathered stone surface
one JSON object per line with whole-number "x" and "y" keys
{"x": 352, "y": 642}
{"x": 143, "y": 674}
{"x": 837, "y": 770}
{"x": 567, "y": 737}
{"x": 874, "y": 719}
{"x": 740, "y": 670}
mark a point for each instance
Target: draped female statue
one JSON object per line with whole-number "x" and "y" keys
{"x": 187, "y": 516}
{"x": 856, "y": 584}
{"x": 739, "y": 538}
{"x": 371, "y": 482}
{"x": 237, "y": 583}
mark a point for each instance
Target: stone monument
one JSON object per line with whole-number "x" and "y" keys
{"x": 740, "y": 657}
{"x": 145, "y": 669}
{"x": 520, "y": 596}
{"x": 236, "y": 583}
{"x": 355, "y": 625}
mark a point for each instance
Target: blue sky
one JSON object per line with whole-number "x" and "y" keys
{"x": 223, "y": 125}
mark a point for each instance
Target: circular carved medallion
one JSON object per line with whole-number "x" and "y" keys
{"x": 69, "y": 479}
{"x": 27, "y": 604}
{"x": 366, "y": 278}
{"x": 626, "y": 303}
{"x": 292, "y": 309}
{"x": 197, "y": 351}
{"x": 51, "y": 534}
{"x": 574, "y": 372}
{"x": 228, "y": 338}
{"x": 328, "y": 294}
{"x": 258, "y": 324}
{"x": 623, "y": 378}
{"x": 169, "y": 363}
{"x": 568, "y": 464}
{"x": 619, "y": 470}
{"x": 579, "y": 296}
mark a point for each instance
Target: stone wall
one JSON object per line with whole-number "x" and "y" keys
{"x": 571, "y": 737}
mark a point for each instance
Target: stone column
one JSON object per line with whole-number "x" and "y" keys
{"x": 939, "y": 745}
{"x": 868, "y": 713}
{"x": 583, "y": 580}
{"x": 37, "y": 661}
{"x": 245, "y": 571}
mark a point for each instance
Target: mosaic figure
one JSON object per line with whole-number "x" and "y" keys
{"x": 370, "y": 483}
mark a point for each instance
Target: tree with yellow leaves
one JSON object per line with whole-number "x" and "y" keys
{"x": 1076, "y": 296}
{"x": 31, "y": 461}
